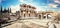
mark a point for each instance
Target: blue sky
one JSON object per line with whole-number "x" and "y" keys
{"x": 39, "y": 4}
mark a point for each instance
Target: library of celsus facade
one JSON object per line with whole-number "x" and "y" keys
{"x": 27, "y": 11}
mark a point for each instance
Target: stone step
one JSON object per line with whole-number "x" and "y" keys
{"x": 9, "y": 23}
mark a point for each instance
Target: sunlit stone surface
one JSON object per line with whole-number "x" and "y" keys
{"x": 27, "y": 24}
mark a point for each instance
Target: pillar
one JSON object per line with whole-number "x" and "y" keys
{"x": 41, "y": 16}
{"x": 46, "y": 16}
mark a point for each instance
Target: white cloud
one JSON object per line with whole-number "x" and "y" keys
{"x": 52, "y": 5}
{"x": 21, "y": 0}
{"x": 29, "y": 2}
{"x": 24, "y": 1}
{"x": 17, "y": 7}
{"x": 38, "y": 8}
{"x": 57, "y": 1}
{"x": 14, "y": 8}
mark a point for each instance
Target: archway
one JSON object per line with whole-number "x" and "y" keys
{"x": 39, "y": 16}
{"x": 49, "y": 16}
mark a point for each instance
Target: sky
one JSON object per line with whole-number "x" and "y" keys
{"x": 41, "y": 5}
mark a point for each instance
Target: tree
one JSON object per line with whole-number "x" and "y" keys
{"x": 1, "y": 8}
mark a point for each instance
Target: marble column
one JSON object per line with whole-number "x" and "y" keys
{"x": 46, "y": 16}
{"x": 41, "y": 16}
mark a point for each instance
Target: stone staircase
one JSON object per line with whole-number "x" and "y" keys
{"x": 8, "y": 23}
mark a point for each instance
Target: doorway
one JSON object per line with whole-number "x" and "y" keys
{"x": 39, "y": 16}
